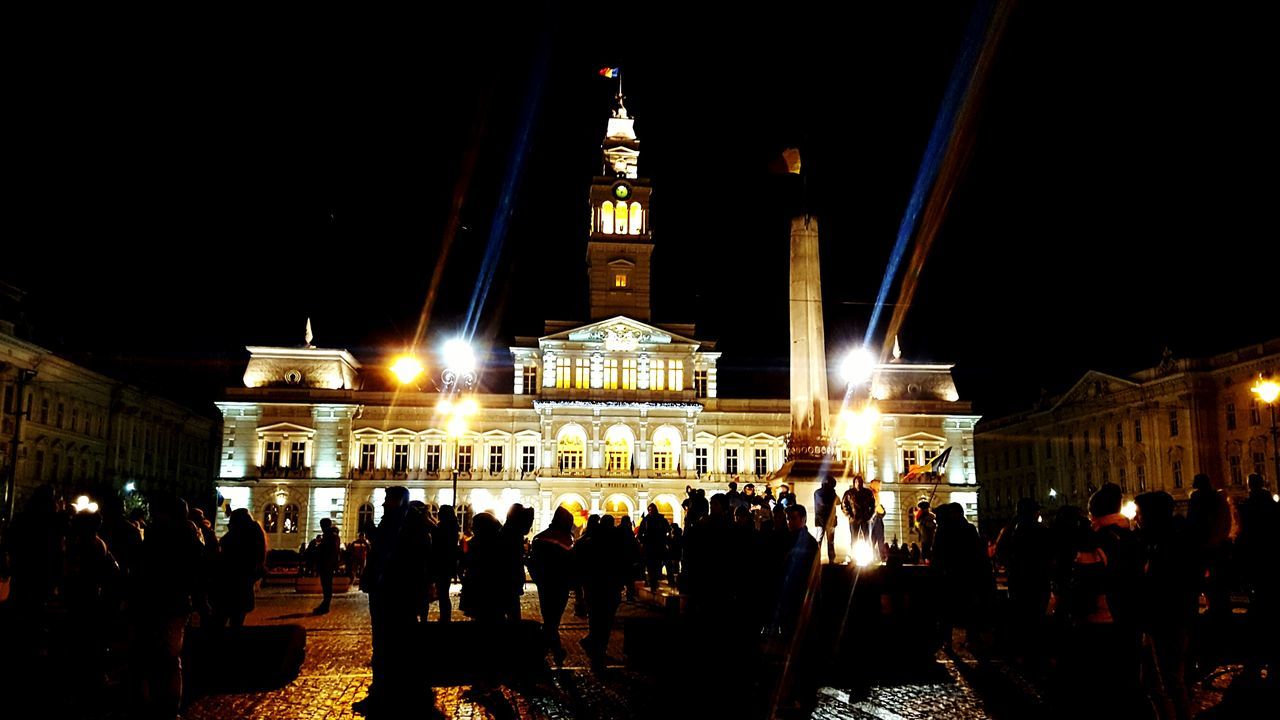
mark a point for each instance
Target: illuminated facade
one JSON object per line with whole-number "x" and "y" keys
{"x": 605, "y": 416}
{"x": 1152, "y": 430}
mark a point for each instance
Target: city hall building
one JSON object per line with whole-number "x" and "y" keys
{"x": 603, "y": 416}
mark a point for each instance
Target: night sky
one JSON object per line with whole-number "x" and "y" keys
{"x": 178, "y": 192}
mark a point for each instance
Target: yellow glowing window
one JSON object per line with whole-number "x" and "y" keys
{"x": 620, "y": 219}
{"x": 562, "y": 372}
{"x": 675, "y": 375}
{"x": 657, "y": 381}
{"x": 636, "y": 220}
{"x": 620, "y": 280}
{"x": 606, "y": 218}
{"x": 611, "y": 374}
{"x": 570, "y": 451}
{"x": 629, "y": 374}
{"x": 581, "y": 373}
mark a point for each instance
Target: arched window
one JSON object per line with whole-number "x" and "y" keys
{"x": 619, "y": 506}
{"x": 666, "y": 443}
{"x": 271, "y": 518}
{"x": 606, "y": 218}
{"x": 637, "y": 221}
{"x": 620, "y": 219}
{"x": 617, "y": 450}
{"x": 364, "y": 518}
{"x": 290, "y": 524}
{"x": 571, "y": 449}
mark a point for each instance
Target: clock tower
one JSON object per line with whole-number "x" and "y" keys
{"x": 620, "y": 244}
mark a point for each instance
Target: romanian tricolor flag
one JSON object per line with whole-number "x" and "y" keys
{"x": 611, "y": 72}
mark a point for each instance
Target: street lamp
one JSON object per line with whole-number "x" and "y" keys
{"x": 1268, "y": 391}
{"x": 858, "y": 366}
{"x": 407, "y": 368}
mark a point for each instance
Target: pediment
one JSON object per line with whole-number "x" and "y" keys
{"x": 619, "y": 333}
{"x": 920, "y": 437}
{"x": 285, "y": 427}
{"x": 1091, "y": 387}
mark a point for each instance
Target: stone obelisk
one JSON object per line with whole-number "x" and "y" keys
{"x": 809, "y": 402}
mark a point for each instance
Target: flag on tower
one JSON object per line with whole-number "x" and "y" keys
{"x": 611, "y": 72}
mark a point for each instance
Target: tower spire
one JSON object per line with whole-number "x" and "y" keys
{"x": 309, "y": 336}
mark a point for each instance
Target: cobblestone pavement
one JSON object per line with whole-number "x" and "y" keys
{"x": 336, "y": 673}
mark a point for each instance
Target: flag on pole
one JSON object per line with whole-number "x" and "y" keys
{"x": 934, "y": 466}
{"x": 611, "y": 72}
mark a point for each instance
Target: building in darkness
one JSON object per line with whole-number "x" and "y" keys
{"x": 602, "y": 416}
{"x": 1154, "y": 429}
{"x": 82, "y": 431}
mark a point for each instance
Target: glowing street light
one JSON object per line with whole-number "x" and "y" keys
{"x": 860, "y": 425}
{"x": 130, "y": 486}
{"x": 1053, "y": 493}
{"x": 858, "y": 366}
{"x": 407, "y": 368}
{"x": 84, "y": 505}
{"x": 862, "y": 553}
{"x": 1268, "y": 391}
{"x": 459, "y": 364}
{"x": 1129, "y": 510}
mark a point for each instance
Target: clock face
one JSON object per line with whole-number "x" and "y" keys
{"x": 622, "y": 192}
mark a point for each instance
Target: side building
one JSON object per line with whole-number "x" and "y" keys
{"x": 83, "y": 432}
{"x": 603, "y": 416}
{"x": 1152, "y": 430}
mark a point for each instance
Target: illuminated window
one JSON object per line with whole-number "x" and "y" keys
{"x": 272, "y": 457}
{"x": 271, "y": 518}
{"x": 731, "y": 461}
{"x": 290, "y": 524}
{"x": 636, "y": 220}
{"x": 562, "y": 371}
{"x": 368, "y": 455}
{"x": 364, "y": 517}
{"x": 581, "y": 373}
{"x": 571, "y": 450}
{"x": 528, "y": 458}
{"x": 1177, "y": 473}
{"x": 611, "y": 374}
{"x": 620, "y": 280}
{"x": 530, "y": 379}
{"x": 657, "y": 378}
{"x": 431, "y": 458}
{"x": 464, "y": 458}
{"x": 620, "y": 219}
{"x": 700, "y": 461}
{"x": 762, "y": 462}
{"x": 496, "y": 459}
{"x": 666, "y": 441}
{"x": 629, "y": 374}
{"x": 908, "y": 459}
{"x": 675, "y": 375}
{"x": 700, "y": 383}
{"x": 400, "y": 457}
{"x": 606, "y": 218}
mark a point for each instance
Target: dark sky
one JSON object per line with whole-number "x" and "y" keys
{"x": 178, "y": 191}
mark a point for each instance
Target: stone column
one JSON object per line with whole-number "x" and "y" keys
{"x": 809, "y": 403}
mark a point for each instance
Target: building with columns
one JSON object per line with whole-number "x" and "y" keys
{"x": 603, "y": 416}
{"x": 1154, "y": 429}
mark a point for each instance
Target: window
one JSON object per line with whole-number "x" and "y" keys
{"x": 657, "y": 374}
{"x": 1119, "y": 434}
{"x": 629, "y": 374}
{"x": 731, "y": 460}
{"x": 617, "y": 450}
{"x": 1255, "y": 412}
{"x": 929, "y": 455}
{"x": 44, "y": 412}
{"x": 1141, "y": 472}
{"x": 1173, "y": 423}
{"x": 431, "y": 457}
{"x": 571, "y": 452}
{"x": 58, "y": 418}
{"x": 290, "y": 524}
{"x": 464, "y": 458}
{"x": 762, "y": 462}
{"x": 528, "y": 458}
{"x": 908, "y": 459}
{"x": 271, "y": 518}
{"x": 562, "y": 372}
{"x": 364, "y": 517}
{"x": 675, "y": 375}
{"x": 75, "y": 419}
{"x": 606, "y": 218}
{"x": 1231, "y": 416}
{"x": 700, "y": 383}
{"x": 620, "y": 219}
{"x": 400, "y": 457}
{"x": 1137, "y": 430}
{"x": 297, "y": 454}
{"x": 700, "y": 461}
{"x": 495, "y": 459}
{"x": 1237, "y": 476}
{"x": 272, "y": 457}
{"x": 637, "y": 219}
{"x": 581, "y": 373}
{"x": 530, "y": 380}
{"x": 368, "y": 456}
{"x": 1259, "y": 460}
{"x": 619, "y": 280}
{"x": 611, "y": 374}
{"x": 1102, "y": 438}
{"x": 1123, "y": 480}
{"x": 1177, "y": 473}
